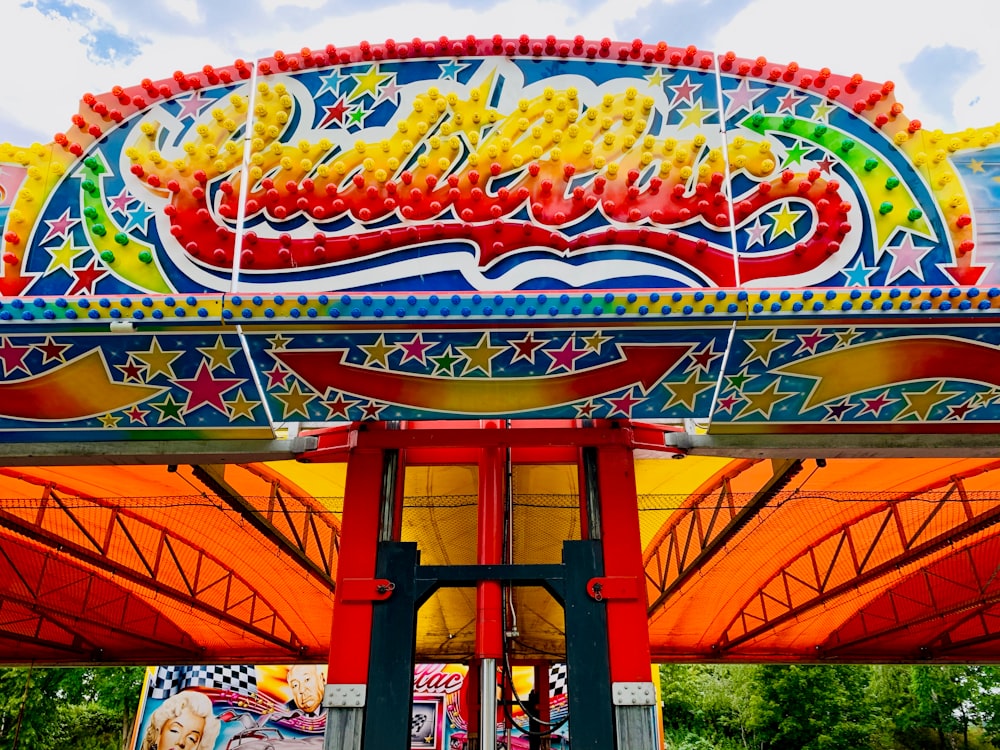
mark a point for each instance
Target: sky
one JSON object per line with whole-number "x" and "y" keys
{"x": 943, "y": 57}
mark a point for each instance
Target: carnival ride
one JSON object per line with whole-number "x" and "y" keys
{"x": 393, "y": 342}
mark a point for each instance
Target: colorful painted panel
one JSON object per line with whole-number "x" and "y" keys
{"x": 430, "y": 373}
{"x": 855, "y": 378}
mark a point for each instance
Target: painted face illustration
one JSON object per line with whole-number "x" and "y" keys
{"x": 182, "y": 732}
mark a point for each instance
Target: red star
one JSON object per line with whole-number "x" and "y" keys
{"x": 338, "y": 407}
{"x": 335, "y": 113}
{"x": 586, "y": 410}
{"x": 204, "y": 389}
{"x": 51, "y": 351}
{"x": 726, "y": 403}
{"x": 877, "y": 404}
{"x": 960, "y": 411}
{"x": 277, "y": 377}
{"x": 826, "y": 164}
{"x": 13, "y": 357}
{"x": 526, "y": 347}
{"x": 565, "y": 357}
{"x": 132, "y": 370}
{"x": 415, "y": 349}
{"x": 624, "y": 403}
{"x": 703, "y": 359}
{"x": 371, "y": 410}
{"x": 809, "y": 341}
{"x": 136, "y": 415}
{"x": 86, "y": 278}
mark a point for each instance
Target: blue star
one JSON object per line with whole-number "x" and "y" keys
{"x": 331, "y": 82}
{"x": 451, "y": 69}
{"x": 139, "y": 217}
{"x": 858, "y": 274}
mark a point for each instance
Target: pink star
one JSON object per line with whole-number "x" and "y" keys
{"x": 906, "y": 257}
{"x": 204, "y": 389}
{"x": 390, "y": 93}
{"x": 877, "y": 404}
{"x": 755, "y": 233}
{"x": 789, "y": 102}
{"x": 415, "y": 349}
{"x": 685, "y": 91}
{"x": 742, "y": 98}
{"x": 566, "y": 357}
{"x": 13, "y": 357}
{"x": 60, "y": 227}
{"x": 276, "y": 377}
{"x": 121, "y": 202}
{"x": 624, "y": 403}
{"x": 726, "y": 403}
{"x": 809, "y": 341}
{"x": 525, "y": 348}
{"x": 191, "y": 106}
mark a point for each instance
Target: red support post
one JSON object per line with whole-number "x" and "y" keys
{"x": 628, "y": 627}
{"x": 352, "y": 618}
{"x": 489, "y": 603}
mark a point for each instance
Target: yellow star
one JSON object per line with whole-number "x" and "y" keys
{"x": 821, "y": 111}
{"x": 219, "y": 355}
{"x": 687, "y": 392}
{"x": 157, "y": 361}
{"x": 784, "y": 221}
{"x": 922, "y": 403}
{"x": 63, "y": 257}
{"x": 295, "y": 401}
{"x": 976, "y": 166}
{"x": 656, "y": 78}
{"x": 368, "y": 83}
{"x": 845, "y": 338}
{"x": 378, "y": 353}
{"x": 762, "y": 349}
{"x": 694, "y": 115}
{"x": 241, "y": 406}
{"x": 596, "y": 341}
{"x": 764, "y": 401}
{"x": 481, "y": 355}
{"x": 986, "y": 398}
{"x": 110, "y": 421}
{"x": 279, "y": 341}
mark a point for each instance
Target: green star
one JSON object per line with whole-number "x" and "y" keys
{"x": 169, "y": 409}
{"x": 795, "y": 154}
{"x": 737, "y": 382}
{"x": 445, "y": 363}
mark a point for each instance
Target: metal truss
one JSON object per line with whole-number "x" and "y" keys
{"x": 852, "y": 555}
{"x": 122, "y": 543}
{"x": 979, "y": 627}
{"x": 302, "y": 528}
{"x": 706, "y": 524}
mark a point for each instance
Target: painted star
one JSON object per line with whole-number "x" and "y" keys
{"x": 51, "y": 351}
{"x": 687, "y": 393}
{"x": 241, "y": 406}
{"x": 836, "y": 412}
{"x": 131, "y": 370}
{"x": 921, "y": 404}
{"x": 525, "y": 348}
{"x": 294, "y": 400}
{"x": 63, "y": 256}
{"x": 335, "y": 113}
{"x": 169, "y": 409}
{"x": 121, "y": 202}
{"x": 451, "y": 69}
{"x": 60, "y": 227}
{"x": 357, "y": 117}
{"x": 755, "y": 233}
{"x": 330, "y": 82}
{"x": 789, "y": 102}
{"x": 277, "y": 376}
{"x": 12, "y": 357}
{"x": 826, "y": 164}
{"x": 596, "y": 341}
{"x": 906, "y": 257}
{"x": 794, "y": 154}
{"x": 656, "y": 78}
{"x": 763, "y": 348}
{"x": 976, "y": 166}
{"x": 371, "y": 410}
{"x": 220, "y": 355}
{"x": 821, "y": 111}
{"x": 109, "y": 421}
{"x": 415, "y": 349}
{"x": 279, "y": 341}
{"x": 566, "y": 357}
{"x": 737, "y": 381}
{"x": 809, "y": 341}
{"x": 764, "y": 401}
{"x": 87, "y": 278}
{"x": 191, "y": 106}
{"x": 377, "y": 353}
{"x": 390, "y": 93}
{"x": 728, "y": 402}
{"x": 703, "y": 359}
{"x": 157, "y": 361}
{"x": 367, "y": 83}
{"x": 742, "y": 98}
{"x": 624, "y": 404}
{"x": 784, "y": 221}
{"x": 986, "y": 398}
{"x": 684, "y": 92}
{"x": 445, "y": 363}
{"x": 960, "y": 411}
{"x": 845, "y": 338}
{"x": 138, "y": 218}
{"x": 204, "y": 389}
{"x": 339, "y": 407}
{"x": 695, "y": 115}
{"x": 858, "y": 274}
{"x": 876, "y": 405}
{"x": 586, "y": 410}
{"x": 136, "y": 415}
{"x": 481, "y": 355}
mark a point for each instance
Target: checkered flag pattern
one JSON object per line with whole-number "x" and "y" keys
{"x": 557, "y": 680}
{"x": 239, "y": 678}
